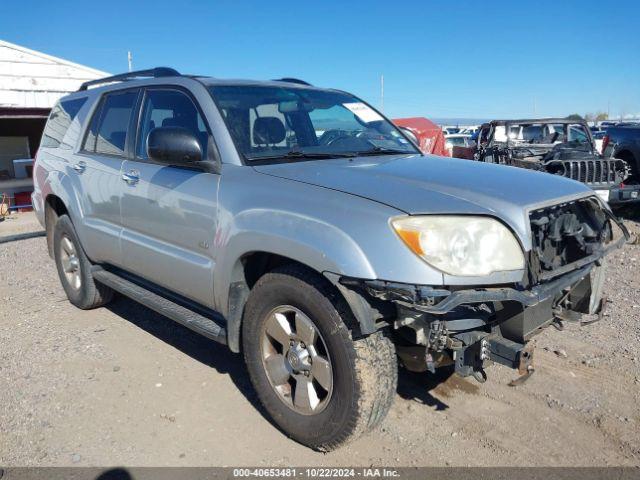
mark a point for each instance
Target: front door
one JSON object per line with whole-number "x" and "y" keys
{"x": 169, "y": 214}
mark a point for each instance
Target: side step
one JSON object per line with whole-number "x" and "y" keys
{"x": 178, "y": 313}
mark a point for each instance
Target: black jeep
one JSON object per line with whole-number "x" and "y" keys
{"x": 558, "y": 146}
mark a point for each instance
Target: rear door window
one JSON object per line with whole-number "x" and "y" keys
{"x": 60, "y": 118}
{"x": 110, "y": 124}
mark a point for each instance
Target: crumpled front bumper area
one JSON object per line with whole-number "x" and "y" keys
{"x": 471, "y": 328}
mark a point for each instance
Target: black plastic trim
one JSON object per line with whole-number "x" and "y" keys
{"x": 456, "y": 298}
{"x": 150, "y": 73}
{"x": 211, "y": 328}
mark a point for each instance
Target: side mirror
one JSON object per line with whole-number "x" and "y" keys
{"x": 173, "y": 146}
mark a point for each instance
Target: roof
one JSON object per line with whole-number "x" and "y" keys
{"x": 32, "y": 79}
{"x": 536, "y": 120}
{"x": 162, "y": 75}
{"x": 248, "y": 82}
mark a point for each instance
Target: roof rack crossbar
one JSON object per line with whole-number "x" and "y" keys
{"x": 292, "y": 80}
{"x": 152, "y": 72}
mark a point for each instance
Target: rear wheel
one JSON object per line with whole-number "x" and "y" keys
{"x": 319, "y": 384}
{"x": 74, "y": 268}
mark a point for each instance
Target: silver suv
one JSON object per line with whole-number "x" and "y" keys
{"x": 297, "y": 225}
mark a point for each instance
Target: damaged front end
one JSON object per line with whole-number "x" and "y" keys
{"x": 471, "y": 327}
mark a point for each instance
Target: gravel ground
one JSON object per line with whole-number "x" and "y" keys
{"x": 124, "y": 386}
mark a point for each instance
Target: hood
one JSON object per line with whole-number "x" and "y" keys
{"x": 429, "y": 184}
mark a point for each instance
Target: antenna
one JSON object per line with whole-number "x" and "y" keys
{"x": 130, "y": 59}
{"x": 382, "y": 93}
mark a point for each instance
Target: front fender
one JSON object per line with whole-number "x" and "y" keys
{"x": 312, "y": 241}
{"x": 309, "y": 241}
{"x": 329, "y": 231}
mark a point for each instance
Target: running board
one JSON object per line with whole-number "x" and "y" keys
{"x": 198, "y": 323}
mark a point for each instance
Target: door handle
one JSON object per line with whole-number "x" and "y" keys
{"x": 132, "y": 177}
{"x": 80, "y": 166}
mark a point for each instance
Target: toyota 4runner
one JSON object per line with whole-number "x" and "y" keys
{"x": 297, "y": 225}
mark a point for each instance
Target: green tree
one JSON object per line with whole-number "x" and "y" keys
{"x": 574, "y": 116}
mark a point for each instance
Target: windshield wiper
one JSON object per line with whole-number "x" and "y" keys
{"x": 384, "y": 151}
{"x": 295, "y": 154}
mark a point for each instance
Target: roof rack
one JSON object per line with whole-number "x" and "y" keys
{"x": 292, "y": 80}
{"x": 152, "y": 72}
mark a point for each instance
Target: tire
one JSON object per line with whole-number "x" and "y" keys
{"x": 74, "y": 268}
{"x": 363, "y": 372}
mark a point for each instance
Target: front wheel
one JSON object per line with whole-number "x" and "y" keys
{"x": 321, "y": 387}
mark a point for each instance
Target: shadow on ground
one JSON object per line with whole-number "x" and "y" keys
{"x": 424, "y": 388}
{"x": 201, "y": 349}
{"x": 629, "y": 211}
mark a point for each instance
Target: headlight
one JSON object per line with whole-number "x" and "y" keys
{"x": 461, "y": 245}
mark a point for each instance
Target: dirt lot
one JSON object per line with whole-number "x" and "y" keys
{"x": 124, "y": 386}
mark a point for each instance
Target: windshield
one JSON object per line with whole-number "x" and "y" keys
{"x": 458, "y": 141}
{"x": 286, "y": 122}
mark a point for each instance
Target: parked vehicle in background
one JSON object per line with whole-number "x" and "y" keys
{"x": 554, "y": 145}
{"x": 456, "y": 140}
{"x": 470, "y": 129}
{"x": 624, "y": 143}
{"x": 598, "y": 137}
{"x": 429, "y": 136}
{"x": 299, "y": 226}
{"x": 449, "y": 130}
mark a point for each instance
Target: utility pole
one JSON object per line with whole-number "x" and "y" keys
{"x": 535, "y": 107}
{"x": 382, "y": 93}
{"x": 130, "y": 59}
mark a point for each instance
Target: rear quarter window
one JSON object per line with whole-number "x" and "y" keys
{"x": 60, "y": 118}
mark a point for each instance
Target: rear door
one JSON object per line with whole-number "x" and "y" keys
{"x": 98, "y": 165}
{"x": 169, "y": 214}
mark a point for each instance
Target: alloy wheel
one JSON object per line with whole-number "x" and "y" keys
{"x": 296, "y": 360}
{"x": 70, "y": 263}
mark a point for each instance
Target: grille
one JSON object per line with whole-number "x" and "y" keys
{"x": 593, "y": 172}
{"x": 563, "y": 234}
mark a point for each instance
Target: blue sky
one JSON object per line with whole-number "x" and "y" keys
{"x": 439, "y": 59}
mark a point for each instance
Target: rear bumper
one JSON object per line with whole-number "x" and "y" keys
{"x": 626, "y": 194}
{"x": 38, "y": 207}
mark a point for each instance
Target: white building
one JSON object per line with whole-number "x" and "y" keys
{"x": 30, "y": 84}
